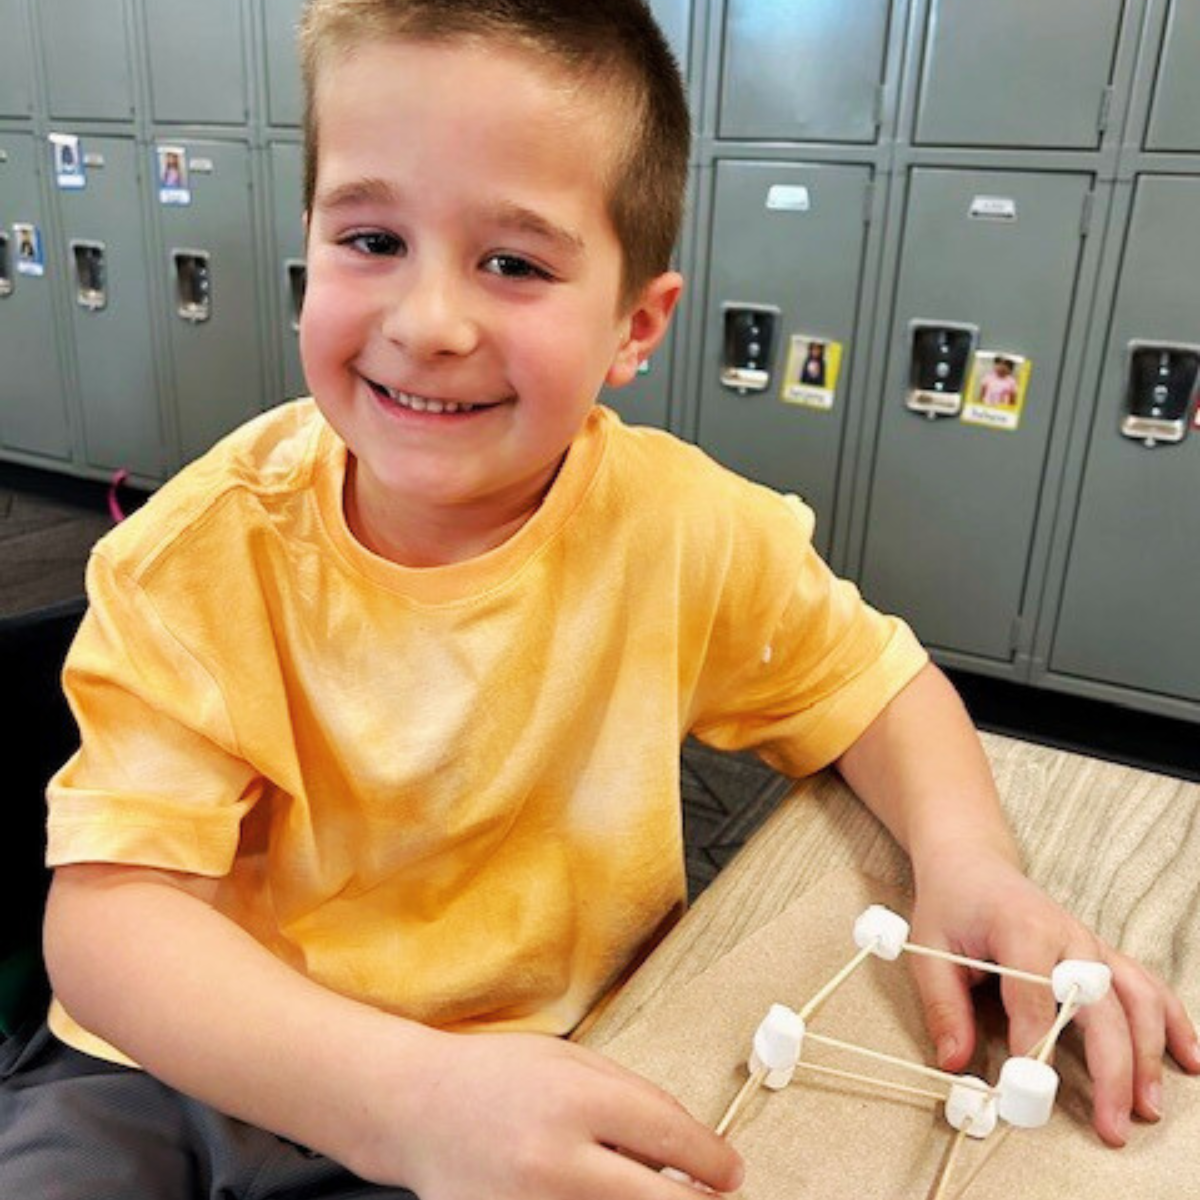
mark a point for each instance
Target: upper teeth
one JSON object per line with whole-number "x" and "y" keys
{"x": 421, "y": 404}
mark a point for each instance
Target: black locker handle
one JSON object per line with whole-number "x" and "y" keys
{"x": 6, "y": 279}
{"x": 91, "y": 274}
{"x": 193, "y": 285}
{"x": 297, "y": 282}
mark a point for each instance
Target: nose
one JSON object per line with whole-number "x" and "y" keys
{"x": 427, "y": 315}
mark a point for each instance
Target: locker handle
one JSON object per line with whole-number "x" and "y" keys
{"x": 297, "y": 279}
{"x": 193, "y": 285}
{"x": 6, "y": 281}
{"x": 91, "y": 275}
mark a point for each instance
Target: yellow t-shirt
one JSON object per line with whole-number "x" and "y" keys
{"x": 449, "y": 792}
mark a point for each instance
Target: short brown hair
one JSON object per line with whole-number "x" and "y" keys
{"x": 614, "y": 44}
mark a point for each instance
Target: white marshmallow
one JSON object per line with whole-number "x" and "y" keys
{"x": 1093, "y": 980}
{"x": 881, "y": 931}
{"x": 970, "y": 1104}
{"x": 776, "y": 1047}
{"x": 1027, "y": 1091}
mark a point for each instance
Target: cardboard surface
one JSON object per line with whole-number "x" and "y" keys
{"x": 833, "y": 1139}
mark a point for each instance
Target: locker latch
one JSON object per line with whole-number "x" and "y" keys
{"x": 750, "y": 331}
{"x": 940, "y": 357}
{"x": 91, "y": 275}
{"x": 1161, "y": 388}
{"x": 6, "y": 280}
{"x": 297, "y": 275}
{"x": 193, "y": 285}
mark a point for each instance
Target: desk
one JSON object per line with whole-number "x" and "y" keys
{"x": 1118, "y": 847}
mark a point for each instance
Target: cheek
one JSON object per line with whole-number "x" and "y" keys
{"x": 327, "y": 322}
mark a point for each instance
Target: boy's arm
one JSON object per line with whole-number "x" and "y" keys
{"x": 141, "y": 958}
{"x": 921, "y": 769}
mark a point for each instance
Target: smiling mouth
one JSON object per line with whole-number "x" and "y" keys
{"x": 422, "y": 404}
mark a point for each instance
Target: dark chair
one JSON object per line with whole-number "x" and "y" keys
{"x": 41, "y": 735}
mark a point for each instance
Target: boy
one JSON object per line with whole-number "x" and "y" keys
{"x": 381, "y": 701}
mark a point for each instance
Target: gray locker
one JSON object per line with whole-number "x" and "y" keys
{"x": 33, "y": 415}
{"x": 287, "y": 186}
{"x": 804, "y": 70}
{"x": 1173, "y": 117}
{"x": 1130, "y": 606}
{"x": 673, "y": 17}
{"x": 196, "y": 58}
{"x": 952, "y": 505}
{"x": 787, "y": 243}
{"x": 108, "y": 280}
{"x": 207, "y": 259}
{"x": 1020, "y": 73}
{"x": 285, "y": 103}
{"x": 88, "y": 69}
{"x": 16, "y": 74}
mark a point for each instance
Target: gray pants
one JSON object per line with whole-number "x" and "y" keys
{"x": 73, "y": 1127}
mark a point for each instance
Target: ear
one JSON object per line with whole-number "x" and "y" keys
{"x": 645, "y": 326}
{"x": 305, "y": 216}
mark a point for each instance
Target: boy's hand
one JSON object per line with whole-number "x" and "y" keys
{"x": 981, "y": 906}
{"x": 529, "y": 1117}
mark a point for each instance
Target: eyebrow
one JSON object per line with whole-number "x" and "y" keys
{"x": 358, "y": 191}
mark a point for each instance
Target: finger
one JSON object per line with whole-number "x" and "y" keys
{"x": 657, "y": 1129}
{"x": 612, "y": 1175}
{"x": 1108, "y": 1049}
{"x": 1030, "y": 1006}
{"x": 949, "y": 1014}
{"x": 1181, "y": 1034}
{"x": 1141, "y": 997}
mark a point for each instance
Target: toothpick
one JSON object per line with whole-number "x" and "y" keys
{"x": 944, "y": 1174}
{"x": 1068, "y": 1010}
{"x": 993, "y": 1144}
{"x": 836, "y": 982}
{"x": 919, "y": 1068}
{"x": 872, "y": 1081}
{"x": 747, "y": 1089}
{"x": 978, "y": 963}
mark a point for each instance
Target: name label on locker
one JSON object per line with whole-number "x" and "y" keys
{"x": 3, "y": 156}
{"x": 202, "y": 166}
{"x": 994, "y": 208}
{"x": 788, "y": 197}
{"x": 93, "y": 159}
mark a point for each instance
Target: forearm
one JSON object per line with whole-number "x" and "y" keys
{"x": 200, "y": 1004}
{"x": 921, "y": 769}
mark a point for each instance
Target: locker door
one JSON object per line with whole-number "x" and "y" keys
{"x": 285, "y": 104}
{"x": 806, "y": 70}
{"x": 16, "y": 76}
{"x": 108, "y": 279}
{"x": 207, "y": 257}
{"x": 87, "y": 59}
{"x": 1173, "y": 123}
{"x": 1021, "y": 73}
{"x": 197, "y": 68}
{"x": 1132, "y": 595}
{"x": 33, "y": 409}
{"x": 673, "y": 17}
{"x": 790, "y": 238}
{"x": 952, "y": 505}
{"x": 288, "y": 186}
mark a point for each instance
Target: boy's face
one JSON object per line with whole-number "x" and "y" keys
{"x": 460, "y": 255}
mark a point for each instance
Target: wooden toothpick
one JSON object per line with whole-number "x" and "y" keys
{"x": 836, "y": 982}
{"x": 906, "y": 1064}
{"x": 978, "y": 963}
{"x": 744, "y": 1093}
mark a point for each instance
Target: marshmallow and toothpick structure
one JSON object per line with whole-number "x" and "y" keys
{"x": 1023, "y": 1097}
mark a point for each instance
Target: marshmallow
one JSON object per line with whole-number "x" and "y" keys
{"x": 1027, "y": 1091}
{"x": 881, "y": 931}
{"x": 969, "y": 1104}
{"x": 776, "y": 1048}
{"x": 1093, "y": 980}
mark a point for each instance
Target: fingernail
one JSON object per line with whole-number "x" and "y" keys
{"x": 1123, "y": 1126}
{"x": 1154, "y": 1098}
{"x": 946, "y": 1050}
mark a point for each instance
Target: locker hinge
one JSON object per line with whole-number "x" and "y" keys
{"x": 868, "y": 202}
{"x": 1085, "y": 220}
{"x": 1016, "y": 634}
{"x": 1106, "y": 97}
